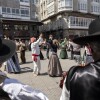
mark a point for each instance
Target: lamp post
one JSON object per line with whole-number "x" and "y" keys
{"x": 1, "y": 28}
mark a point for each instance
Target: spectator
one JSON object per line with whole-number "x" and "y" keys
{"x": 83, "y": 83}
{"x": 22, "y": 50}
{"x": 88, "y": 55}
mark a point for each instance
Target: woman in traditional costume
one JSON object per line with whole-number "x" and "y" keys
{"x": 12, "y": 65}
{"x": 63, "y": 52}
{"x": 54, "y": 66}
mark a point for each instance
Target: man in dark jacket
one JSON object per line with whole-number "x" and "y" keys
{"x": 83, "y": 83}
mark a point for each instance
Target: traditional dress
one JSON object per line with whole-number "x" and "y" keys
{"x": 12, "y": 65}
{"x": 54, "y": 66}
{"x": 36, "y": 56}
{"x": 63, "y": 52}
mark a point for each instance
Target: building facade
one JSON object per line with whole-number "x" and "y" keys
{"x": 68, "y": 17}
{"x": 19, "y": 18}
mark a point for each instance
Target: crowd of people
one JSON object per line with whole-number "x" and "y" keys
{"x": 81, "y": 82}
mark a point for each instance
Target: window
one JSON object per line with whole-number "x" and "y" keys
{"x": 25, "y": 12}
{"x": 4, "y": 10}
{"x": 50, "y": 9}
{"x": 68, "y": 3}
{"x": 65, "y": 4}
{"x": 95, "y": 8}
{"x": 96, "y": 1}
{"x": 8, "y": 10}
{"x": 17, "y": 11}
{"x": 79, "y": 21}
{"x": 49, "y": 1}
{"x": 13, "y": 11}
{"x": 82, "y": 5}
{"x": 24, "y": 1}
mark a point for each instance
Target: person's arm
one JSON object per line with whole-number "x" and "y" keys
{"x": 65, "y": 95}
{"x": 38, "y": 41}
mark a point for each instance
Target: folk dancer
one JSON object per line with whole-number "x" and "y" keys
{"x": 36, "y": 55}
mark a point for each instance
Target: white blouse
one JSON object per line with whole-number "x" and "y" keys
{"x": 19, "y": 91}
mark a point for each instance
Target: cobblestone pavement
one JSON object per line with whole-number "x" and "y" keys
{"x": 48, "y": 85}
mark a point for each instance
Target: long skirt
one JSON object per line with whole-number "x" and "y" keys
{"x": 13, "y": 65}
{"x": 54, "y": 66}
{"x": 63, "y": 54}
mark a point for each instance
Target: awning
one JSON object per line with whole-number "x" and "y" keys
{"x": 21, "y": 21}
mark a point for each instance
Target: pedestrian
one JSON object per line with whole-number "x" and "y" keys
{"x": 22, "y": 50}
{"x": 63, "y": 52}
{"x": 49, "y": 45}
{"x": 88, "y": 54}
{"x": 83, "y": 83}
{"x": 70, "y": 49}
{"x": 36, "y": 54}
{"x": 12, "y": 89}
{"x": 54, "y": 66}
{"x": 77, "y": 53}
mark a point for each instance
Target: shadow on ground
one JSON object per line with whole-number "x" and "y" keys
{"x": 26, "y": 63}
{"x": 42, "y": 74}
{"x": 26, "y": 69}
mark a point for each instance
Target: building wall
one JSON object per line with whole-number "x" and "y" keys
{"x": 70, "y": 16}
{"x": 24, "y": 12}
{"x": 10, "y": 3}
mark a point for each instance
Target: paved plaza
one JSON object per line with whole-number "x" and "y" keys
{"x": 48, "y": 85}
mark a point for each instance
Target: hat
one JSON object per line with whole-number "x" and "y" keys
{"x": 93, "y": 33}
{"x": 32, "y": 39}
{"x": 7, "y": 49}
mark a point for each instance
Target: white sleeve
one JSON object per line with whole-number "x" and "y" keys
{"x": 65, "y": 95}
{"x": 20, "y": 91}
{"x": 38, "y": 41}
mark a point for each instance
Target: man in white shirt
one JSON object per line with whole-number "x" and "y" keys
{"x": 36, "y": 54}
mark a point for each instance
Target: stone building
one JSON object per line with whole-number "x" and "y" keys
{"x": 19, "y": 18}
{"x": 64, "y": 18}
